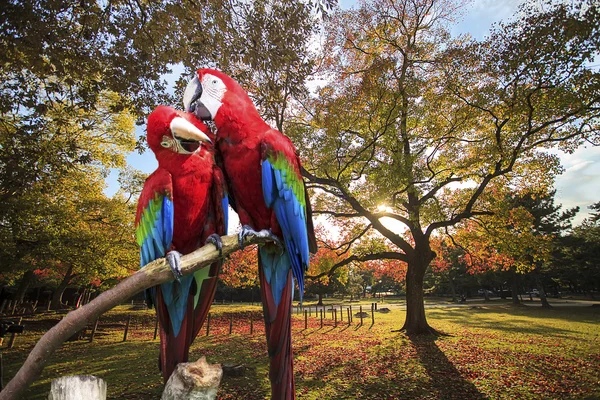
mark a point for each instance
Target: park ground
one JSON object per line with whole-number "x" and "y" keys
{"x": 488, "y": 350}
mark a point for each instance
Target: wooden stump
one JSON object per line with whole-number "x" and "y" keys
{"x": 193, "y": 381}
{"x": 77, "y": 387}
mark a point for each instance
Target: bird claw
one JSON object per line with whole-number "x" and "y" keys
{"x": 174, "y": 259}
{"x": 247, "y": 231}
{"x": 216, "y": 240}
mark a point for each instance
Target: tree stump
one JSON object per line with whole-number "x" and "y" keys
{"x": 77, "y": 387}
{"x": 193, "y": 381}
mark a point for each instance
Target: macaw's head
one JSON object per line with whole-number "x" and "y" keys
{"x": 172, "y": 133}
{"x": 212, "y": 95}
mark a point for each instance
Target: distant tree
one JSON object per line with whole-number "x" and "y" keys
{"x": 239, "y": 270}
{"x": 357, "y": 283}
{"x": 576, "y": 257}
{"x": 388, "y": 275}
{"x": 321, "y": 278}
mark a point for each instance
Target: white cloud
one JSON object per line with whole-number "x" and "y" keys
{"x": 579, "y": 185}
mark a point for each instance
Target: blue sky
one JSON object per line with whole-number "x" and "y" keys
{"x": 577, "y": 186}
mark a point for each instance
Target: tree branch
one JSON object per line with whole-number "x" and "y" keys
{"x": 152, "y": 274}
{"x": 385, "y": 255}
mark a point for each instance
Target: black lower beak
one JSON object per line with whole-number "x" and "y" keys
{"x": 200, "y": 111}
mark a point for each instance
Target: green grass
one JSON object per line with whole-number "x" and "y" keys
{"x": 493, "y": 351}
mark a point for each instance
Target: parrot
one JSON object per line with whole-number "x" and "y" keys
{"x": 266, "y": 189}
{"x": 183, "y": 205}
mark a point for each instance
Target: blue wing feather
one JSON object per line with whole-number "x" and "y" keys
{"x": 225, "y": 207}
{"x": 155, "y": 229}
{"x": 278, "y": 194}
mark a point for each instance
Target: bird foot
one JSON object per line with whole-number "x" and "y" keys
{"x": 174, "y": 259}
{"x": 247, "y": 231}
{"x": 216, "y": 240}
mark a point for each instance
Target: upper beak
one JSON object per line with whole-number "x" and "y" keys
{"x": 183, "y": 129}
{"x": 192, "y": 102}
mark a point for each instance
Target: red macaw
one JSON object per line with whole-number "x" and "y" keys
{"x": 182, "y": 206}
{"x": 266, "y": 189}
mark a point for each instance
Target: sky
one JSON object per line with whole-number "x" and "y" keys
{"x": 578, "y": 185}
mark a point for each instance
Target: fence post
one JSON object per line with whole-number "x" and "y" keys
{"x": 321, "y": 318}
{"x": 305, "y": 319}
{"x": 373, "y": 315}
{"x": 335, "y": 317}
{"x": 94, "y": 330}
{"x": 11, "y": 342}
{"x": 349, "y": 318}
{"x": 230, "y": 323}
{"x": 361, "y": 316}
{"x": 127, "y": 328}
{"x": 341, "y": 313}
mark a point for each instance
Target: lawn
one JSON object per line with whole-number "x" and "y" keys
{"x": 491, "y": 350}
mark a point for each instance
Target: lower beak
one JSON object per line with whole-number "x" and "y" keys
{"x": 200, "y": 111}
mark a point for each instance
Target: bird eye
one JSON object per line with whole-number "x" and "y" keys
{"x": 165, "y": 144}
{"x": 215, "y": 82}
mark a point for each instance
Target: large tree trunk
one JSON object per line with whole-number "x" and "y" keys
{"x": 57, "y": 295}
{"x": 543, "y": 296}
{"x": 26, "y": 280}
{"x": 515, "y": 289}
{"x": 452, "y": 288}
{"x": 416, "y": 322}
{"x": 320, "y": 303}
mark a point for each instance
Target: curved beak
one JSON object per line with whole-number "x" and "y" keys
{"x": 191, "y": 100}
{"x": 183, "y": 129}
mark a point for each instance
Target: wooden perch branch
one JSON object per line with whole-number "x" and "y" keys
{"x": 152, "y": 274}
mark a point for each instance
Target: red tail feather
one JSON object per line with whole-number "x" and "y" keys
{"x": 278, "y": 327}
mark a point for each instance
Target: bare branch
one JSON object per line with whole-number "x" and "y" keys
{"x": 385, "y": 255}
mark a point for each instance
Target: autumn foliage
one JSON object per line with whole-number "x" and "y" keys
{"x": 240, "y": 270}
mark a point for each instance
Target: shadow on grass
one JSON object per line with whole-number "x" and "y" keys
{"x": 131, "y": 368}
{"x": 446, "y": 382}
{"x": 520, "y": 319}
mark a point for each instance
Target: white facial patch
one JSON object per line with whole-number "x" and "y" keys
{"x": 213, "y": 90}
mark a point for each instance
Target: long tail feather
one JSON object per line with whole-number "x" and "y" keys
{"x": 172, "y": 349}
{"x": 278, "y": 329}
{"x": 175, "y": 349}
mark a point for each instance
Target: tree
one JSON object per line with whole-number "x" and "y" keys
{"x": 417, "y": 126}
{"x": 52, "y": 174}
{"x": 239, "y": 270}
{"x": 576, "y": 257}
{"x": 388, "y": 275}
{"x": 519, "y": 236}
{"x": 322, "y": 278}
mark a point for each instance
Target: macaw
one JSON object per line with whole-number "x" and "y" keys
{"x": 183, "y": 205}
{"x": 266, "y": 189}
